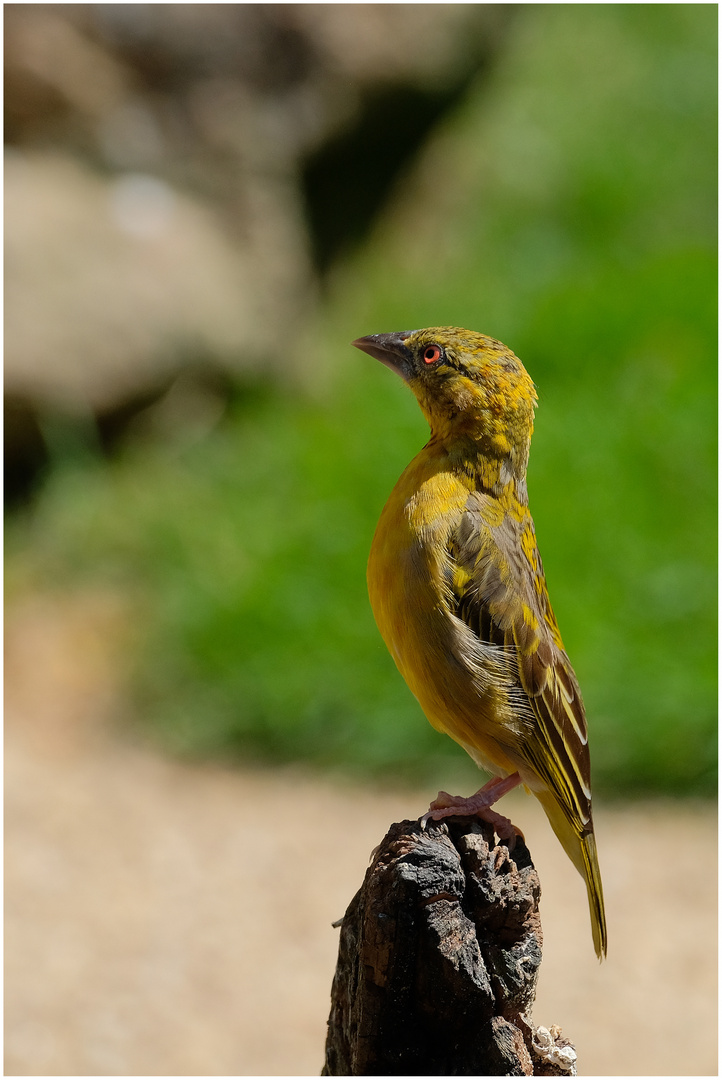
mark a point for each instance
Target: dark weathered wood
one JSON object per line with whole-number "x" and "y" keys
{"x": 438, "y": 961}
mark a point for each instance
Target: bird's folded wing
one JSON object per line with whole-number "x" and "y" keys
{"x": 497, "y": 587}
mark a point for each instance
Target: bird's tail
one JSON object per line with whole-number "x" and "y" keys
{"x": 581, "y": 847}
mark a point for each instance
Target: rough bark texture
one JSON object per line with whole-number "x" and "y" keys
{"x": 438, "y": 961}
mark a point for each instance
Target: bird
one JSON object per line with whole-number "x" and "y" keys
{"x": 457, "y": 588}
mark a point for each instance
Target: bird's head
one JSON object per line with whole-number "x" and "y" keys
{"x": 471, "y": 388}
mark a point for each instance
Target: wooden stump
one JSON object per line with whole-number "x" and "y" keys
{"x": 438, "y": 961}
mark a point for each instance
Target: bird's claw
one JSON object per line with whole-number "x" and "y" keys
{"x": 445, "y": 805}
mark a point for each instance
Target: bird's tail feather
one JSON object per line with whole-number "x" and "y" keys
{"x": 582, "y": 850}
{"x": 593, "y": 879}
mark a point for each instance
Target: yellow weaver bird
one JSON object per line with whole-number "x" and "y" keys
{"x": 458, "y": 590}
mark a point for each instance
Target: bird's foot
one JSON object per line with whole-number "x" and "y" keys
{"x": 478, "y": 805}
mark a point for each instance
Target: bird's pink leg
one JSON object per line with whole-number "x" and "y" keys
{"x": 445, "y": 805}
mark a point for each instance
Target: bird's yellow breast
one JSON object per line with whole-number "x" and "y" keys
{"x": 411, "y": 599}
{"x": 405, "y": 575}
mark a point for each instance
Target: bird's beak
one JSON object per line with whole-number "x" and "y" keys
{"x": 390, "y": 350}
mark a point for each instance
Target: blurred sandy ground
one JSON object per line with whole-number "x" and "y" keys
{"x": 164, "y": 918}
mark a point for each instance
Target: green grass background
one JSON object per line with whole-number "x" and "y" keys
{"x": 567, "y": 208}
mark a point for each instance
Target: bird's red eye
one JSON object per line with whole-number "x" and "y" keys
{"x": 431, "y": 354}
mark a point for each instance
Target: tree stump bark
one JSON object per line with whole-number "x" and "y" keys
{"x": 438, "y": 961}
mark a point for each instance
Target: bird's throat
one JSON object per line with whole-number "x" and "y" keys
{"x": 502, "y": 475}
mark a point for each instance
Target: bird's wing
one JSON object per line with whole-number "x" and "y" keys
{"x": 498, "y": 589}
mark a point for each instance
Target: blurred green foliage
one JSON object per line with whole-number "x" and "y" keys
{"x": 568, "y": 209}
